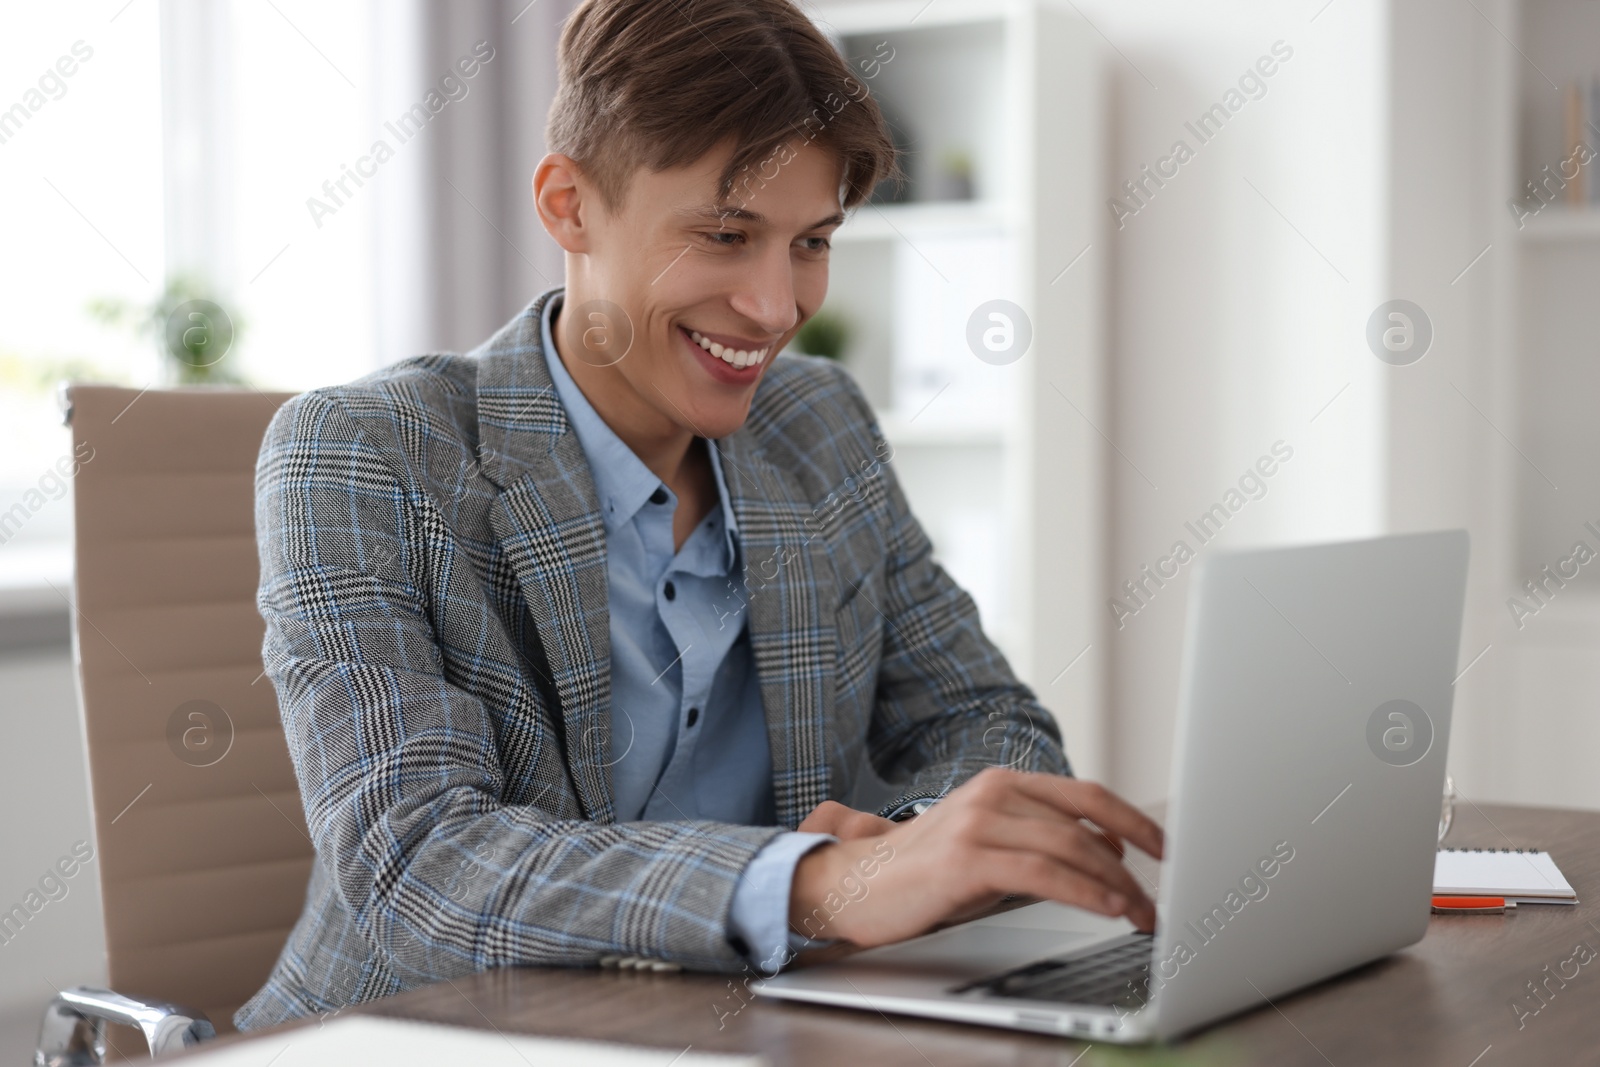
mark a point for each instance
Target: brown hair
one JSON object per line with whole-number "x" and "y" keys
{"x": 660, "y": 83}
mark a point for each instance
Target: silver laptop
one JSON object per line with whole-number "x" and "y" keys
{"x": 1307, "y": 771}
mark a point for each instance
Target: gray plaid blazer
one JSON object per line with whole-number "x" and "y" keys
{"x": 433, "y": 581}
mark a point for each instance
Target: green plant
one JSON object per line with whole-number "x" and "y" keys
{"x": 956, "y": 162}
{"x": 824, "y": 334}
{"x": 193, "y": 333}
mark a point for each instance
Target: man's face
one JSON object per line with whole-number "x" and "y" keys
{"x": 712, "y": 290}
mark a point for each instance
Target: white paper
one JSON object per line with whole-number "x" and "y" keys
{"x": 356, "y": 1039}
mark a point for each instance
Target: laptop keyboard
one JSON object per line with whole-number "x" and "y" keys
{"x": 1116, "y": 974}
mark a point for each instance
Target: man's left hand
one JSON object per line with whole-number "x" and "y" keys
{"x": 845, "y": 823}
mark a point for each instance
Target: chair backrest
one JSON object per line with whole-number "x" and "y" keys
{"x": 201, "y": 843}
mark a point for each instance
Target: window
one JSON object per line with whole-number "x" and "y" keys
{"x": 131, "y": 150}
{"x": 80, "y": 171}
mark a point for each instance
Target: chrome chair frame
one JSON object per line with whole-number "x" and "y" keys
{"x": 73, "y": 1033}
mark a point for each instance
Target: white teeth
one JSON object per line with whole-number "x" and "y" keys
{"x": 736, "y": 358}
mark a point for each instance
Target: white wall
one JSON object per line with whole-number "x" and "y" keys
{"x": 44, "y": 809}
{"x": 1239, "y": 296}
{"x": 1448, "y": 463}
{"x": 1387, "y": 148}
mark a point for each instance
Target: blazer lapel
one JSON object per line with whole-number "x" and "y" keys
{"x": 547, "y": 521}
{"x": 787, "y": 592}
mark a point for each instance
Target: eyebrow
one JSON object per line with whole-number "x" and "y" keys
{"x": 715, "y": 214}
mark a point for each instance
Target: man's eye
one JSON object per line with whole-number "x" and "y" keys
{"x": 715, "y": 238}
{"x": 818, "y": 244}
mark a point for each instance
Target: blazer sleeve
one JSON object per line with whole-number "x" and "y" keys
{"x": 399, "y": 769}
{"x": 947, "y": 702}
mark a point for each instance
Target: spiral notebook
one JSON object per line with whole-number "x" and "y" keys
{"x": 1523, "y": 875}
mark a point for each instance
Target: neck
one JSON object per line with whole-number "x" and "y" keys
{"x": 661, "y": 444}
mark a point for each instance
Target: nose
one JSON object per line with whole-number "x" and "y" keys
{"x": 765, "y": 295}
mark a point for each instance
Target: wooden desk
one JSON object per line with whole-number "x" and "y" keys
{"x": 1443, "y": 1001}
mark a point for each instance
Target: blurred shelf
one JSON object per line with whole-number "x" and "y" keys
{"x": 1561, "y": 226}
{"x": 1008, "y": 95}
{"x": 887, "y": 222}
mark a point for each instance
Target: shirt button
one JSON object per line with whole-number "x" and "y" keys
{"x": 694, "y": 716}
{"x": 659, "y": 496}
{"x": 671, "y": 591}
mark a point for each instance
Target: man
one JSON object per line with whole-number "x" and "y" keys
{"x": 581, "y": 639}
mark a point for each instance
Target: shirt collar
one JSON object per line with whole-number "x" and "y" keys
{"x": 621, "y": 479}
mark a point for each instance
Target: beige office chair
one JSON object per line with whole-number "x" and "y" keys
{"x": 200, "y": 842}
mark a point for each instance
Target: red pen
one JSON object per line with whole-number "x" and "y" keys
{"x": 1471, "y": 905}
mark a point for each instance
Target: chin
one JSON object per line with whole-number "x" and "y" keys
{"x": 721, "y": 421}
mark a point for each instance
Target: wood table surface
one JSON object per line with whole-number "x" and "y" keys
{"x": 1446, "y": 1000}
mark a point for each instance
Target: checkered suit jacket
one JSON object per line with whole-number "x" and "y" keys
{"x": 433, "y": 580}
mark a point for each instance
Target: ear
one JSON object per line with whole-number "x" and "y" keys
{"x": 564, "y": 199}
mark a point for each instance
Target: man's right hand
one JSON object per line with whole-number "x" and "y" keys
{"x": 1002, "y": 832}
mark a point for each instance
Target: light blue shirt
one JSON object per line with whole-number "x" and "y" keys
{"x": 688, "y": 733}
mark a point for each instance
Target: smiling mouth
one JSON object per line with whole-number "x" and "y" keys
{"x": 738, "y": 359}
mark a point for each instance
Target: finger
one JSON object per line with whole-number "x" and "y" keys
{"x": 843, "y": 822}
{"x": 1023, "y": 804}
{"x": 862, "y": 824}
{"x": 825, "y": 817}
{"x": 1121, "y": 848}
{"x": 812, "y": 824}
{"x": 1071, "y": 843}
{"x": 875, "y": 825}
{"x": 1111, "y": 839}
{"x": 1135, "y": 906}
{"x": 1040, "y": 876}
{"x": 1091, "y": 800}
